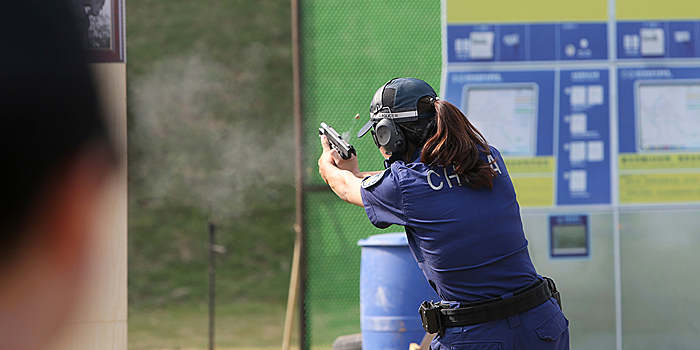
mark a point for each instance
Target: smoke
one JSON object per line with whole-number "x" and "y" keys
{"x": 196, "y": 142}
{"x": 350, "y": 132}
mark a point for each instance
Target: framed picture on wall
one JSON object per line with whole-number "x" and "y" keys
{"x": 569, "y": 236}
{"x": 101, "y": 22}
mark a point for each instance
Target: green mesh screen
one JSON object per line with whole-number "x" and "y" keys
{"x": 348, "y": 50}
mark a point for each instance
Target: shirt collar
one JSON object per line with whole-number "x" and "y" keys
{"x": 416, "y": 155}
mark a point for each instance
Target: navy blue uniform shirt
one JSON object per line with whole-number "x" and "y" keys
{"x": 469, "y": 242}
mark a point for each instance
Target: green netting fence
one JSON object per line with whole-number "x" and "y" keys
{"x": 348, "y": 49}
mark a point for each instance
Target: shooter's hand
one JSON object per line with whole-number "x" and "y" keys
{"x": 350, "y": 165}
{"x": 336, "y": 172}
{"x": 326, "y": 163}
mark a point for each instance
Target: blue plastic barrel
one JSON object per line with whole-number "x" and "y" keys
{"x": 392, "y": 287}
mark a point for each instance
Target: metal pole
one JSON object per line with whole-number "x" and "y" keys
{"x": 212, "y": 279}
{"x": 299, "y": 141}
{"x": 292, "y": 298}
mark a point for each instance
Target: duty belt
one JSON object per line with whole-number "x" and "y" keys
{"x": 436, "y": 317}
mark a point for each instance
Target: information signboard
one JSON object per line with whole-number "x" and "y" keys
{"x": 490, "y": 107}
{"x": 583, "y": 157}
{"x": 659, "y": 123}
{"x": 550, "y": 124}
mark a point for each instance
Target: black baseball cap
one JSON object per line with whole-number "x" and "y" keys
{"x": 398, "y": 100}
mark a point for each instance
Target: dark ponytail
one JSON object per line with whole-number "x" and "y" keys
{"x": 457, "y": 142}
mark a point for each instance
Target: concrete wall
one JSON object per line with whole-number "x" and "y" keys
{"x": 100, "y": 323}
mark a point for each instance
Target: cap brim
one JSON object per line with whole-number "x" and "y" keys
{"x": 365, "y": 129}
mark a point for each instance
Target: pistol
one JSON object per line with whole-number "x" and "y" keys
{"x": 345, "y": 149}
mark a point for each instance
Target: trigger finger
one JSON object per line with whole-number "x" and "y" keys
{"x": 324, "y": 143}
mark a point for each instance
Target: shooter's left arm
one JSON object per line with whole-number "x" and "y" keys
{"x": 340, "y": 174}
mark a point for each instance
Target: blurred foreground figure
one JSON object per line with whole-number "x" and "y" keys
{"x": 55, "y": 157}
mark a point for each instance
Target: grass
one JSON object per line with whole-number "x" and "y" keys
{"x": 251, "y": 325}
{"x": 168, "y": 265}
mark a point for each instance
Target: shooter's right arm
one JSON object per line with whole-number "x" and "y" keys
{"x": 334, "y": 171}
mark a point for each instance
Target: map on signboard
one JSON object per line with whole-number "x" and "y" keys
{"x": 668, "y": 116}
{"x": 505, "y": 115}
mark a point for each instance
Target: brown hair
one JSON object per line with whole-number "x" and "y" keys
{"x": 457, "y": 142}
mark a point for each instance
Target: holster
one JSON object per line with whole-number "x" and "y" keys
{"x": 553, "y": 288}
{"x": 430, "y": 316}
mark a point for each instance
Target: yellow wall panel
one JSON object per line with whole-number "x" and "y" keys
{"x": 657, "y": 10}
{"x": 534, "y": 191}
{"x": 659, "y": 161}
{"x": 514, "y": 11}
{"x": 542, "y": 164}
{"x": 659, "y": 188}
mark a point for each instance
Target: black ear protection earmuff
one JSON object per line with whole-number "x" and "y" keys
{"x": 385, "y": 132}
{"x": 387, "y": 135}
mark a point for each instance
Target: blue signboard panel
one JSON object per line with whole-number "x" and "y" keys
{"x": 659, "y": 135}
{"x": 460, "y": 40}
{"x": 526, "y": 42}
{"x": 583, "y": 156}
{"x": 514, "y": 44}
{"x": 579, "y": 41}
{"x": 543, "y": 42}
{"x": 658, "y": 39}
{"x": 658, "y": 109}
{"x": 683, "y": 39}
{"x": 517, "y": 105}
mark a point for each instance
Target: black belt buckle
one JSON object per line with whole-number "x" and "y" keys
{"x": 430, "y": 316}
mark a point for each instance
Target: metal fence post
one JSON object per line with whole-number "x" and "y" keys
{"x": 212, "y": 280}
